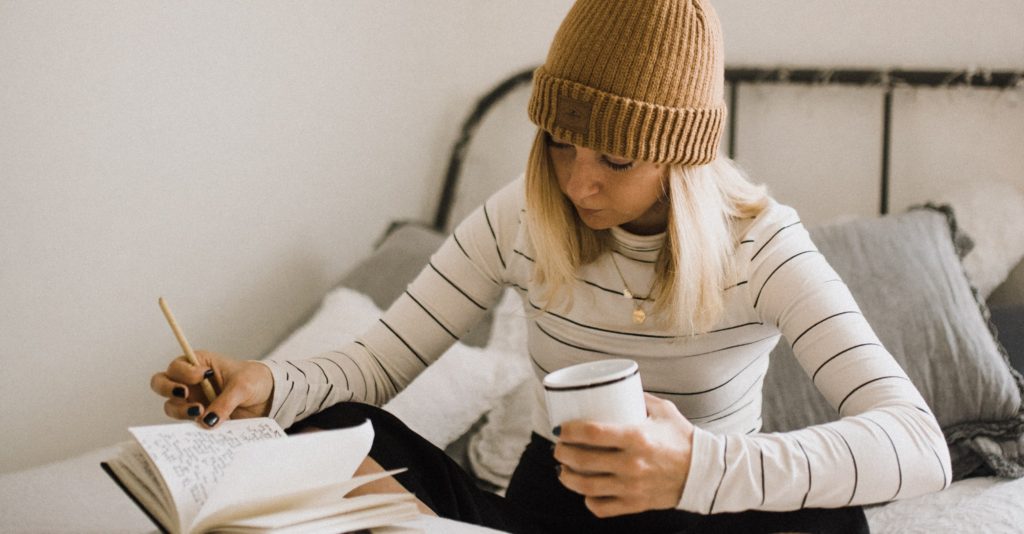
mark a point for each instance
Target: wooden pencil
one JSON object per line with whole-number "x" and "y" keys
{"x": 205, "y": 384}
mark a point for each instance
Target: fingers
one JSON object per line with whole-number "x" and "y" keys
{"x": 181, "y": 370}
{"x": 224, "y": 405}
{"x": 594, "y": 434}
{"x": 658, "y": 407}
{"x": 176, "y": 408}
{"x": 165, "y": 387}
{"x": 596, "y": 485}
{"x": 611, "y": 506}
{"x": 590, "y": 460}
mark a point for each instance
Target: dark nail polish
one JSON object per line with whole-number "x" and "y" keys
{"x": 193, "y": 411}
{"x": 211, "y": 419}
{"x": 557, "y": 430}
{"x": 208, "y": 374}
{"x": 179, "y": 392}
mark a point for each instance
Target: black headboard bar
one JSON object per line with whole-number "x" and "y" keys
{"x": 451, "y": 175}
{"x": 735, "y": 76}
{"x": 915, "y": 78}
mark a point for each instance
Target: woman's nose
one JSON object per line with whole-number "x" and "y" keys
{"x": 583, "y": 181}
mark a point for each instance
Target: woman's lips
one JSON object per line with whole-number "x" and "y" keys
{"x": 586, "y": 212}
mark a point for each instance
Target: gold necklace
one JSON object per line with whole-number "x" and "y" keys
{"x": 639, "y": 315}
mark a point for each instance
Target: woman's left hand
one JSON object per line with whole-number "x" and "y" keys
{"x": 626, "y": 469}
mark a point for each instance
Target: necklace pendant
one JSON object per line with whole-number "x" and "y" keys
{"x": 627, "y": 293}
{"x": 639, "y": 316}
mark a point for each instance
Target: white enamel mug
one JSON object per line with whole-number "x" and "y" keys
{"x": 607, "y": 391}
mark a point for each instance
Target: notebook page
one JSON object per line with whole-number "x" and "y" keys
{"x": 273, "y": 469}
{"x": 192, "y": 459}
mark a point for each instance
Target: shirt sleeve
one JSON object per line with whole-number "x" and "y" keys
{"x": 887, "y": 443}
{"x": 462, "y": 280}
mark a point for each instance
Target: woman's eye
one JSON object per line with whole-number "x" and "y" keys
{"x": 617, "y": 166}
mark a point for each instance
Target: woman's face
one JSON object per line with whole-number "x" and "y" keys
{"x": 610, "y": 191}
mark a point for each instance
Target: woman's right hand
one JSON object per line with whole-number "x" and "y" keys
{"x": 244, "y": 388}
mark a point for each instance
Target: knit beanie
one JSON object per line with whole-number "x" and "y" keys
{"x": 638, "y": 79}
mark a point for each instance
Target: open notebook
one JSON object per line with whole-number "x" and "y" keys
{"x": 249, "y": 476}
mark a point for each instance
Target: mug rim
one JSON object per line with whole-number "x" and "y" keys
{"x": 628, "y": 371}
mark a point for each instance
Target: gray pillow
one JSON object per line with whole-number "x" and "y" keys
{"x": 400, "y": 256}
{"x": 905, "y": 273}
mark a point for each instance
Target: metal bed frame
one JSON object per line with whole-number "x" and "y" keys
{"x": 888, "y": 80}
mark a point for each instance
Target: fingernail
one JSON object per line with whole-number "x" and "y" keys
{"x": 558, "y": 469}
{"x": 557, "y": 430}
{"x": 179, "y": 392}
{"x": 208, "y": 374}
{"x": 193, "y": 411}
{"x": 211, "y": 419}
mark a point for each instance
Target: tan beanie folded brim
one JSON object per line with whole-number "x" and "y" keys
{"x": 622, "y": 126}
{"x": 638, "y": 79}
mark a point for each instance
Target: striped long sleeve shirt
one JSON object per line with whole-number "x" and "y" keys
{"x": 886, "y": 444}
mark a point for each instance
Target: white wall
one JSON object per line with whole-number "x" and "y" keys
{"x": 234, "y": 157}
{"x": 237, "y": 157}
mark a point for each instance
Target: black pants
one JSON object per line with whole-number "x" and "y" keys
{"x": 536, "y": 502}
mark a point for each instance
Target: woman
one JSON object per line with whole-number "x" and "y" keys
{"x": 629, "y": 237}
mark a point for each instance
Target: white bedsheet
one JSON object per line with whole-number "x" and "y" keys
{"x": 75, "y": 495}
{"x": 990, "y": 505}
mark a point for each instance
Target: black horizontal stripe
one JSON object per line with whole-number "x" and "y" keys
{"x": 854, "y": 390}
{"x": 764, "y": 493}
{"x": 535, "y": 362}
{"x": 300, "y": 370}
{"x": 941, "y": 467}
{"x": 856, "y": 472}
{"x": 304, "y": 406}
{"x": 612, "y": 291}
{"x": 523, "y": 255}
{"x": 748, "y": 403}
{"x": 284, "y": 400}
{"x": 567, "y": 344}
{"x": 840, "y": 353}
{"x": 729, "y": 347}
{"x": 793, "y": 344}
{"x": 634, "y": 334}
{"x": 495, "y": 236}
{"x": 327, "y": 396}
{"x": 772, "y": 237}
{"x": 459, "y": 289}
{"x": 725, "y": 468}
{"x": 899, "y": 465}
{"x": 746, "y": 241}
{"x": 379, "y": 363}
{"x": 756, "y": 300}
{"x": 745, "y": 367}
{"x": 810, "y": 479}
{"x": 758, "y": 323}
{"x": 404, "y": 342}
{"x": 313, "y": 361}
{"x": 740, "y": 397}
{"x": 343, "y": 374}
{"x": 426, "y": 311}
{"x": 456, "y": 239}
{"x": 599, "y": 329}
{"x": 737, "y": 284}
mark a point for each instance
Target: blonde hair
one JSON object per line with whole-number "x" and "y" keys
{"x": 695, "y": 263}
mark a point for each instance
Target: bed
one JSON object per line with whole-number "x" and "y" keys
{"x": 958, "y": 330}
